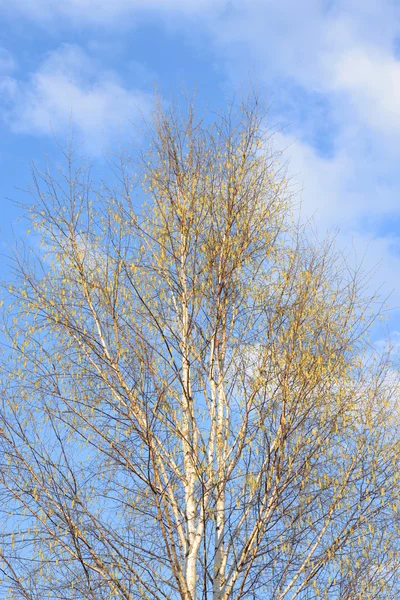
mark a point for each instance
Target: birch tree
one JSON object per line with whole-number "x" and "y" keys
{"x": 191, "y": 408}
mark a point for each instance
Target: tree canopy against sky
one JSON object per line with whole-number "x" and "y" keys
{"x": 190, "y": 405}
{"x": 324, "y": 65}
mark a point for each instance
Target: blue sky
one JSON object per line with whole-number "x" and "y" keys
{"x": 330, "y": 70}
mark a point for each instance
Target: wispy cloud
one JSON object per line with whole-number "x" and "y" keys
{"x": 69, "y": 87}
{"x": 370, "y": 78}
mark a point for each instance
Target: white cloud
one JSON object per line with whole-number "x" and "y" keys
{"x": 339, "y": 189}
{"x": 69, "y": 88}
{"x": 343, "y": 47}
{"x": 319, "y": 181}
{"x": 371, "y": 78}
{"x": 334, "y": 194}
